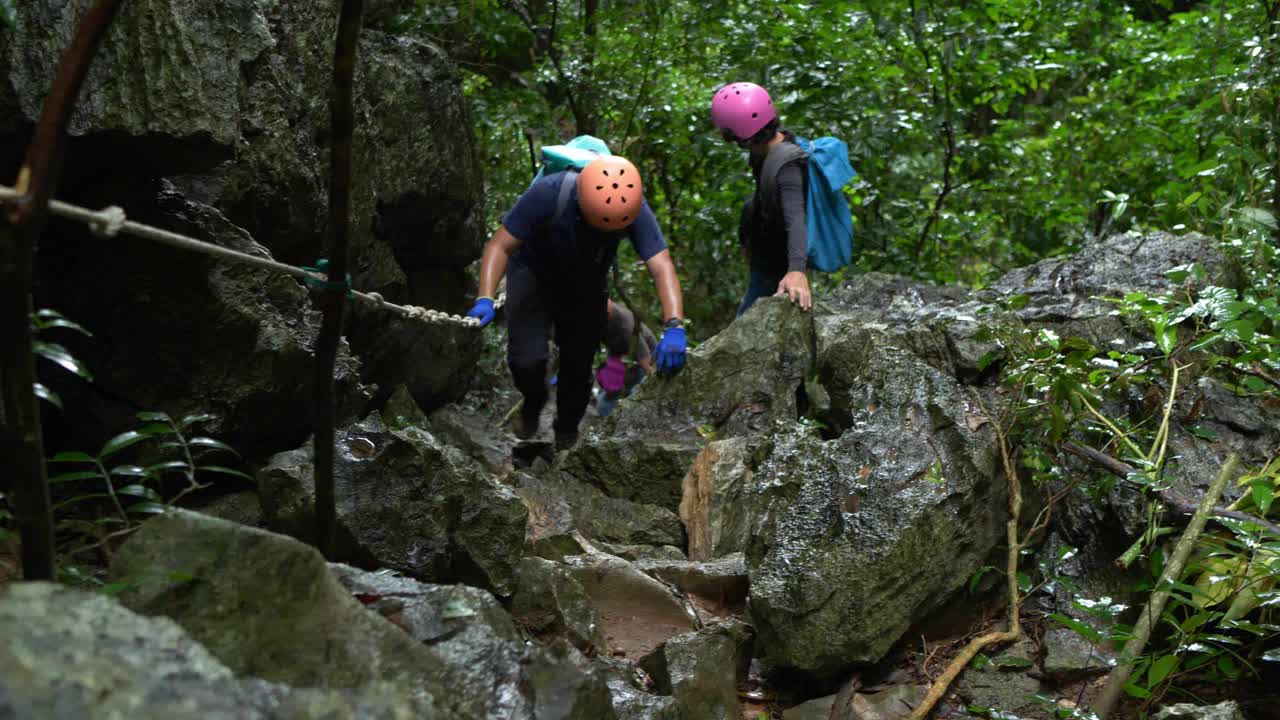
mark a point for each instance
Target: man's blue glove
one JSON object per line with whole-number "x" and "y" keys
{"x": 670, "y": 351}
{"x": 482, "y": 311}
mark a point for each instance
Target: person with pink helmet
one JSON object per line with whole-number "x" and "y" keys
{"x": 772, "y": 229}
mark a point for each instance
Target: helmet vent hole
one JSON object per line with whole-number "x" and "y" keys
{"x": 755, "y": 115}
{"x": 623, "y": 198}
{"x": 615, "y": 186}
{"x": 599, "y": 187}
{"x": 608, "y": 200}
{"x": 625, "y": 218}
{"x": 630, "y": 185}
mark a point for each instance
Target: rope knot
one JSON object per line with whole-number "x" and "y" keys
{"x": 108, "y": 222}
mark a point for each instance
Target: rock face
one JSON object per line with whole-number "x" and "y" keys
{"x": 1187, "y": 711}
{"x": 711, "y": 507}
{"x": 226, "y": 103}
{"x": 264, "y": 604}
{"x": 859, "y": 538}
{"x": 72, "y": 654}
{"x": 560, "y": 507}
{"x": 737, "y": 383}
{"x": 268, "y": 606}
{"x": 550, "y": 601}
{"x": 405, "y": 501}
{"x": 484, "y": 661}
{"x": 701, "y": 670}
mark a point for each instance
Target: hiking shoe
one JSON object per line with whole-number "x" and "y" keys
{"x": 526, "y": 424}
{"x": 566, "y": 440}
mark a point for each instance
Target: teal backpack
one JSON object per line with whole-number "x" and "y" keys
{"x": 827, "y": 217}
{"x": 572, "y": 156}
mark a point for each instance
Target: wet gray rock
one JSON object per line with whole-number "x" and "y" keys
{"x": 737, "y": 383}
{"x": 222, "y": 105}
{"x": 1003, "y": 683}
{"x": 69, "y": 654}
{"x": 482, "y": 657}
{"x": 712, "y": 506}
{"x": 643, "y": 552}
{"x": 632, "y": 692}
{"x": 265, "y": 605}
{"x": 405, "y": 501}
{"x": 701, "y": 670}
{"x": 861, "y": 537}
{"x": 560, "y": 507}
{"x": 895, "y": 703}
{"x": 242, "y": 507}
{"x": 550, "y": 601}
{"x": 1228, "y": 710}
{"x": 1068, "y": 656}
{"x": 722, "y": 583}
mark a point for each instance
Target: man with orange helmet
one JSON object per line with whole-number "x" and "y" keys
{"x": 556, "y": 246}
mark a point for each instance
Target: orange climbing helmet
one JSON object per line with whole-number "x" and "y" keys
{"x": 610, "y": 193}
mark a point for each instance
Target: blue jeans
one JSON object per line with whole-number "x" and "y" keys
{"x": 760, "y": 283}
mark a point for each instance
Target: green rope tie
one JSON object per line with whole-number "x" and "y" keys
{"x": 315, "y": 283}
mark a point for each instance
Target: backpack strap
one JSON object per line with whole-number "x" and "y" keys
{"x": 562, "y": 200}
{"x": 779, "y": 156}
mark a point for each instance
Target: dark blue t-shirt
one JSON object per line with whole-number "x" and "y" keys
{"x": 569, "y": 248}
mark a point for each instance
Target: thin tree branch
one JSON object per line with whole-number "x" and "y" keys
{"x": 1155, "y": 606}
{"x": 333, "y": 301}
{"x": 1168, "y": 497}
{"x": 21, "y": 442}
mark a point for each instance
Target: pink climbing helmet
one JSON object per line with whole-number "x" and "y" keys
{"x": 742, "y": 109}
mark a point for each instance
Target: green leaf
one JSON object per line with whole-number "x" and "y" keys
{"x": 1160, "y": 669}
{"x": 57, "y": 354}
{"x": 147, "y": 508}
{"x": 44, "y": 393}
{"x": 122, "y": 441}
{"x": 1263, "y": 494}
{"x": 151, "y": 416}
{"x": 156, "y": 429}
{"x": 1079, "y": 628}
{"x": 208, "y": 442}
{"x": 1260, "y": 216}
{"x": 59, "y": 322}
{"x": 141, "y": 491}
{"x": 1024, "y": 582}
{"x": 190, "y": 420}
{"x": 224, "y": 471}
{"x": 73, "y": 476}
{"x": 129, "y": 471}
{"x": 1203, "y": 432}
{"x": 112, "y": 589}
{"x": 167, "y": 466}
{"x": 1017, "y": 302}
{"x": 72, "y": 457}
{"x": 1136, "y": 691}
{"x": 1049, "y": 337}
{"x": 1167, "y": 339}
{"x": 979, "y": 662}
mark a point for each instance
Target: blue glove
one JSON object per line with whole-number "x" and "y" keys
{"x": 482, "y": 311}
{"x": 670, "y": 351}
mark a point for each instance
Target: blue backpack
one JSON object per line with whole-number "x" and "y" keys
{"x": 827, "y": 217}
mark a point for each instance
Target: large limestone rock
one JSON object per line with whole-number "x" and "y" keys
{"x": 861, "y": 537}
{"x": 550, "y": 601}
{"x": 227, "y": 102}
{"x": 490, "y": 670}
{"x": 73, "y": 655}
{"x": 407, "y": 502}
{"x": 737, "y": 383}
{"x": 711, "y": 507}
{"x": 265, "y": 605}
{"x": 562, "y": 511}
{"x": 701, "y": 670}
{"x": 1228, "y": 710}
